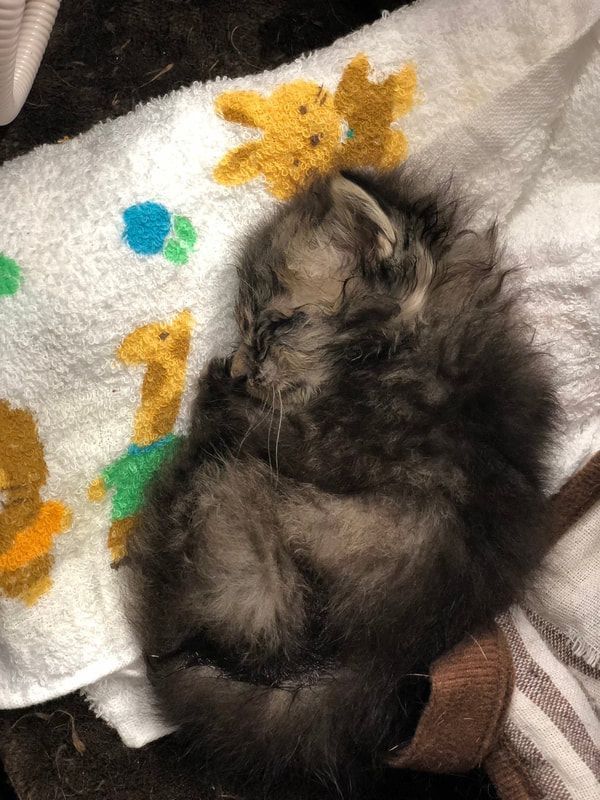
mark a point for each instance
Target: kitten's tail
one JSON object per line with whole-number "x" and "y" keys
{"x": 323, "y": 728}
{"x": 397, "y": 616}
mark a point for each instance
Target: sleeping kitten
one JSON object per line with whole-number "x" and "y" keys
{"x": 362, "y": 486}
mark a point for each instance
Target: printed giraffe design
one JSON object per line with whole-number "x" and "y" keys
{"x": 164, "y": 348}
{"x": 306, "y": 130}
{"x": 28, "y": 524}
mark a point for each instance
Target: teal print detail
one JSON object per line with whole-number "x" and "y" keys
{"x": 10, "y": 275}
{"x": 151, "y": 228}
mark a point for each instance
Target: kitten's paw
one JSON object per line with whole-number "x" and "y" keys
{"x": 217, "y": 379}
{"x": 214, "y": 387}
{"x": 219, "y": 369}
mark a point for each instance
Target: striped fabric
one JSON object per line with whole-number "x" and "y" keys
{"x": 553, "y": 723}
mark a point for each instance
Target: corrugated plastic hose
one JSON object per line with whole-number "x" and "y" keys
{"x": 25, "y": 27}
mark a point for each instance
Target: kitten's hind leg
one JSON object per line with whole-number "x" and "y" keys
{"x": 245, "y": 589}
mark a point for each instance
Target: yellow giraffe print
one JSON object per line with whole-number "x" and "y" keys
{"x": 163, "y": 347}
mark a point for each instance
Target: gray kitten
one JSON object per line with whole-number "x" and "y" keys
{"x": 362, "y": 486}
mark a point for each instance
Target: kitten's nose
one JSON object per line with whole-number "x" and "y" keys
{"x": 240, "y": 368}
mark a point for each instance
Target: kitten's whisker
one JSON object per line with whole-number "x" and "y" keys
{"x": 254, "y": 426}
{"x": 278, "y": 435}
{"x": 270, "y": 426}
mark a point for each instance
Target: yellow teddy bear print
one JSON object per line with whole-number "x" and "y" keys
{"x": 307, "y": 130}
{"x": 28, "y": 524}
{"x": 369, "y": 109}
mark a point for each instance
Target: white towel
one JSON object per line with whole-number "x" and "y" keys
{"x": 128, "y": 232}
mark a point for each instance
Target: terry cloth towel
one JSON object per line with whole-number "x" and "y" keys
{"x": 116, "y": 282}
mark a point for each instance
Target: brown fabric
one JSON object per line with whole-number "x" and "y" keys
{"x": 506, "y": 773}
{"x": 470, "y": 690}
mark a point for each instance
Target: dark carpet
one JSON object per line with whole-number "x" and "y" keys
{"x": 62, "y": 751}
{"x": 104, "y": 58}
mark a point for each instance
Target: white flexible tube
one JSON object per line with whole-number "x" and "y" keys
{"x": 25, "y": 27}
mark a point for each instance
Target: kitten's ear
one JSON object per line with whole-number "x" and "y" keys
{"x": 358, "y": 222}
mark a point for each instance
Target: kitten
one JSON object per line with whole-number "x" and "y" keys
{"x": 362, "y": 486}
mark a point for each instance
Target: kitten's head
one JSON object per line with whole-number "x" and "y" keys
{"x": 346, "y": 253}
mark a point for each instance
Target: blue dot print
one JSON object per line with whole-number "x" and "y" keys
{"x": 147, "y": 225}
{"x": 150, "y": 228}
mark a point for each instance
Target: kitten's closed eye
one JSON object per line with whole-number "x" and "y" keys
{"x": 271, "y": 328}
{"x": 282, "y": 323}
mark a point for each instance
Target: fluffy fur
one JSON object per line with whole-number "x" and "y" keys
{"x": 362, "y": 486}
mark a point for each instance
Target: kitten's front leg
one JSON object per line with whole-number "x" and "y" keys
{"x": 223, "y": 411}
{"x": 214, "y": 390}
